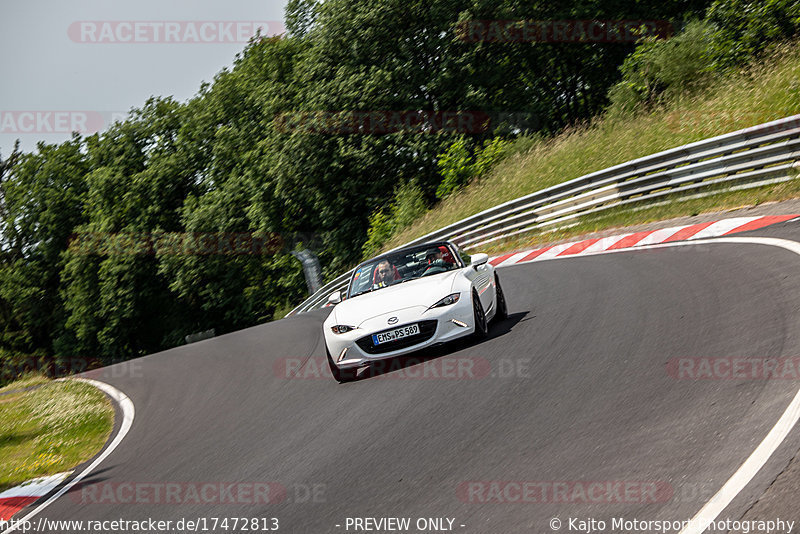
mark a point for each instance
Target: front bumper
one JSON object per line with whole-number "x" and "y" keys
{"x": 437, "y": 325}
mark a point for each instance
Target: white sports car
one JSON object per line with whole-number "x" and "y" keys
{"x": 409, "y": 299}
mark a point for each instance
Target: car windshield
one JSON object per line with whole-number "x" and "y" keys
{"x": 402, "y": 266}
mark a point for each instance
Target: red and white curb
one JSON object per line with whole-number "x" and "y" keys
{"x": 637, "y": 239}
{"x": 15, "y": 499}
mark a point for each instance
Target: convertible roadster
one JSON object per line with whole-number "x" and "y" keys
{"x": 409, "y": 299}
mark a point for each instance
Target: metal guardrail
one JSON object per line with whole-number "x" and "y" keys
{"x": 752, "y": 157}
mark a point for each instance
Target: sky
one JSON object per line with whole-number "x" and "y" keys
{"x": 80, "y": 64}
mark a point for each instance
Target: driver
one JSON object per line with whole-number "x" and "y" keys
{"x": 439, "y": 256}
{"x": 433, "y": 255}
{"x": 437, "y": 260}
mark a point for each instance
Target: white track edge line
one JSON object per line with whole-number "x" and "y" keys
{"x": 753, "y": 464}
{"x": 126, "y": 405}
{"x": 737, "y": 482}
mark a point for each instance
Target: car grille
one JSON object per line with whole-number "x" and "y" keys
{"x": 426, "y": 331}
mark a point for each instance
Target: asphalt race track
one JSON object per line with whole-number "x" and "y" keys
{"x": 574, "y": 388}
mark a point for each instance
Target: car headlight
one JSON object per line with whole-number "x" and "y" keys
{"x": 341, "y": 328}
{"x": 447, "y": 301}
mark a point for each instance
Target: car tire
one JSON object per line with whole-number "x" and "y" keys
{"x": 340, "y": 375}
{"x": 502, "y": 306}
{"x": 479, "y": 316}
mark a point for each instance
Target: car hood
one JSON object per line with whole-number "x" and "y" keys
{"x": 422, "y": 292}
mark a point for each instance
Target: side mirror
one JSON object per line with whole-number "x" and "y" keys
{"x": 335, "y": 297}
{"x": 479, "y": 259}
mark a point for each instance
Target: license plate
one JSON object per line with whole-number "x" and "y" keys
{"x": 397, "y": 333}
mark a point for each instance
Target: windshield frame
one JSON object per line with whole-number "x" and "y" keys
{"x": 454, "y": 252}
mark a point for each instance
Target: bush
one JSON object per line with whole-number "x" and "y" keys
{"x": 408, "y": 204}
{"x": 455, "y": 165}
{"x": 745, "y": 29}
{"x": 663, "y": 68}
{"x": 458, "y": 166}
{"x": 732, "y": 33}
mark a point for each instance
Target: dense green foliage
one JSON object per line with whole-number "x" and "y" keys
{"x": 272, "y": 147}
{"x": 732, "y": 32}
{"x": 407, "y": 206}
{"x": 458, "y": 166}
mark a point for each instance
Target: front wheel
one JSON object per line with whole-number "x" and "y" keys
{"x": 340, "y": 375}
{"x": 502, "y": 307}
{"x": 481, "y": 326}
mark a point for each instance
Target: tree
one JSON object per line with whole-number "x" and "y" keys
{"x": 42, "y": 199}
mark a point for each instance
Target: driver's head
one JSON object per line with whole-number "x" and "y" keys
{"x": 433, "y": 255}
{"x": 385, "y": 272}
